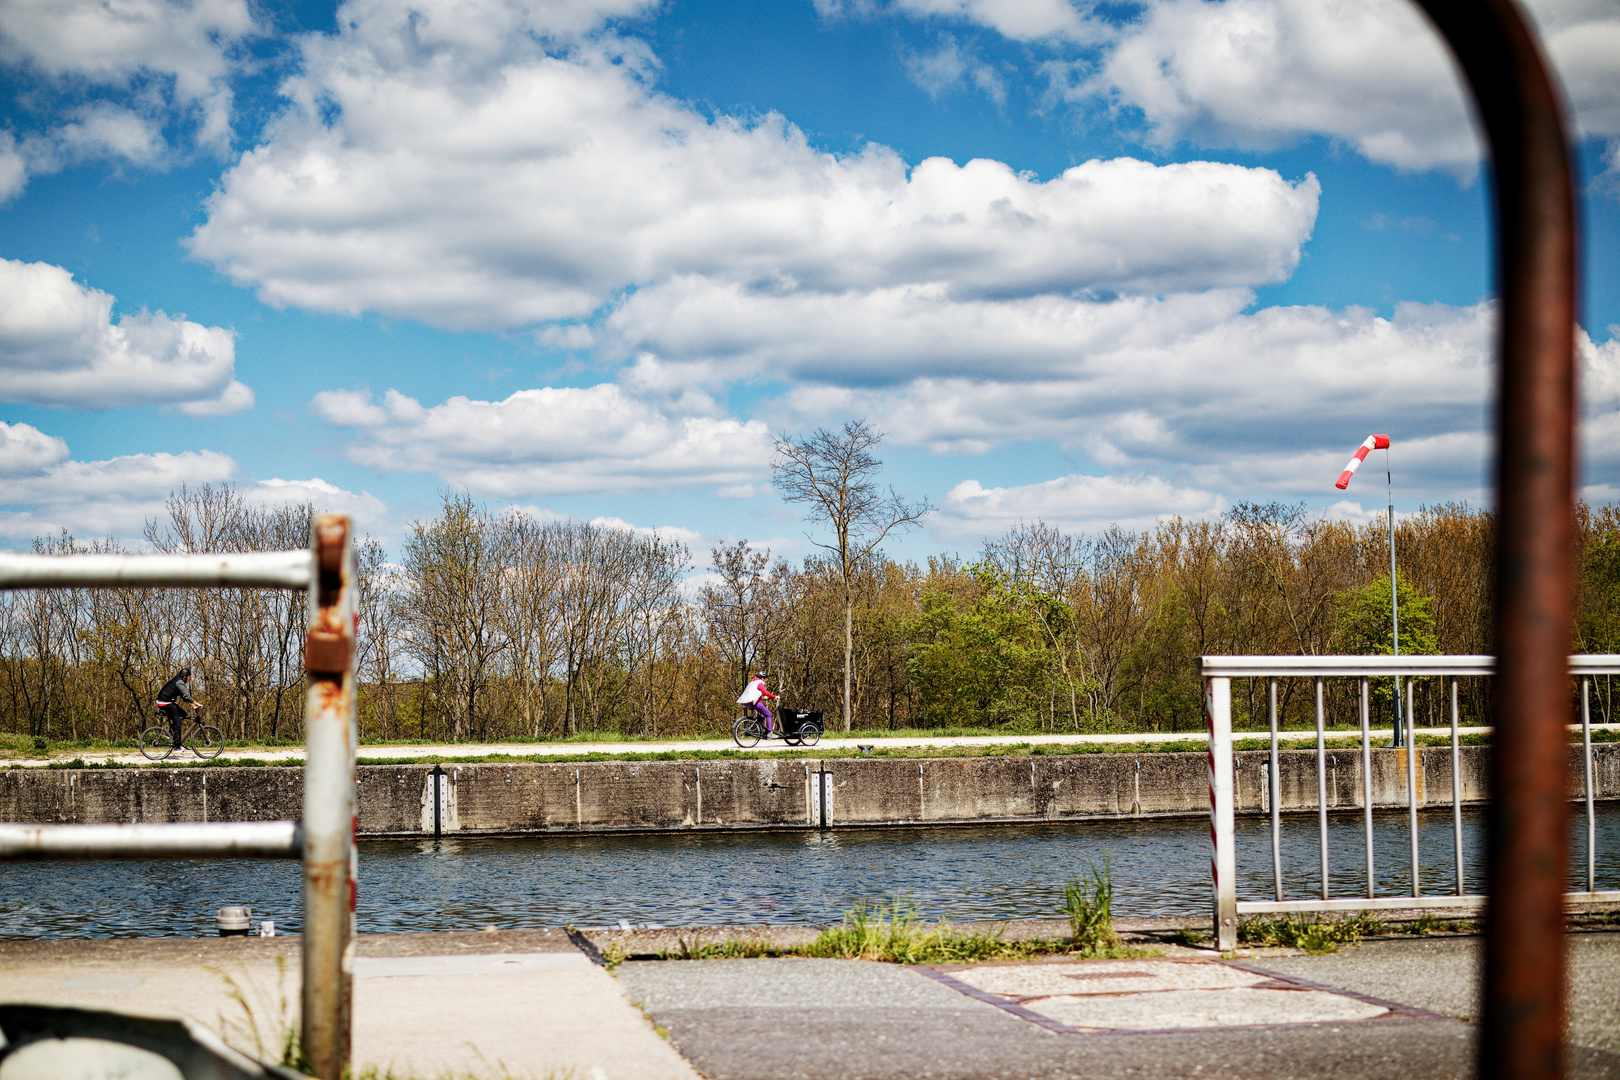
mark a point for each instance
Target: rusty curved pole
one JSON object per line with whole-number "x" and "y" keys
{"x": 1521, "y": 1029}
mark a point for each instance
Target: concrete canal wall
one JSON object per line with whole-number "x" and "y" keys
{"x": 765, "y": 793}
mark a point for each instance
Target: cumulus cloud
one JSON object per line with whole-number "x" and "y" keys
{"x": 1257, "y": 73}
{"x": 1265, "y": 401}
{"x": 167, "y": 60}
{"x": 60, "y": 346}
{"x": 47, "y": 491}
{"x": 1075, "y": 503}
{"x": 542, "y": 185}
{"x": 549, "y": 441}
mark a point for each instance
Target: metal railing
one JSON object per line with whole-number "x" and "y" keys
{"x": 1219, "y": 671}
{"x": 325, "y": 839}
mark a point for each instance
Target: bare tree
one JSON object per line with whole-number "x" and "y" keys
{"x": 834, "y": 475}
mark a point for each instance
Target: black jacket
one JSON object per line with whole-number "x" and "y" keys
{"x": 175, "y": 687}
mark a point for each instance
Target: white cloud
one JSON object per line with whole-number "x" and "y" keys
{"x": 538, "y": 187}
{"x": 1021, "y": 20}
{"x": 370, "y": 513}
{"x": 950, "y": 66}
{"x": 1075, "y": 503}
{"x": 1256, "y": 73}
{"x": 1218, "y": 400}
{"x": 169, "y": 60}
{"x": 13, "y": 168}
{"x": 549, "y": 441}
{"x": 1261, "y": 72}
{"x": 46, "y": 491}
{"x": 59, "y": 346}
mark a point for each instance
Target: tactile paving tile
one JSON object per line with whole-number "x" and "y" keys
{"x": 1230, "y": 1007}
{"x": 1022, "y": 981}
{"x": 1153, "y": 995}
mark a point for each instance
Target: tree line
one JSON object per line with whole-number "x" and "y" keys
{"x": 497, "y": 624}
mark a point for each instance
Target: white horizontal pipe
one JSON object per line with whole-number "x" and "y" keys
{"x": 259, "y": 569}
{"x": 1376, "y": 903}
{"x": 1375, "y": 666}
{"x": 215, "y": 840}
{"x": 1472, "y": 901}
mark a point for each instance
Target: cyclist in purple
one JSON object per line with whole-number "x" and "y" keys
{"x": 752, "y": 700}
{"x": 174, "y": 691}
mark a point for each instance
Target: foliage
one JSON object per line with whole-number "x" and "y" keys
{"x": 503, "y": 626}
{"x": 1090, "y": 905}
{"x": 1314, "y": 934}
{"x": 893, "y": 933}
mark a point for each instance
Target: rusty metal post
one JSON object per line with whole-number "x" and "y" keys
{"x": 329, "y": 802}
{"x": 1521, "y": 1026}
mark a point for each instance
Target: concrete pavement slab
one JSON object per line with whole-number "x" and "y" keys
{"x": 841, "y": 1020}
{"x": 1442, "y": 975}
{"x": 515, "y": 1003}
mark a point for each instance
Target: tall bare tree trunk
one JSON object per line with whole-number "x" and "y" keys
{"x": 849, "y": 649}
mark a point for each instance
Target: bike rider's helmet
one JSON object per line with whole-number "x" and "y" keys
{"x": 185, "y": 673}
{"x": 759, "y": 674}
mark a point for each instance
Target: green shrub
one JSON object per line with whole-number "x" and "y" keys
{"x": 1090, "y": 908}
{"x": 1313, "y": 934}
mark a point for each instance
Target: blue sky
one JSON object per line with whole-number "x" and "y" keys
{"x": 1083, "y": 262}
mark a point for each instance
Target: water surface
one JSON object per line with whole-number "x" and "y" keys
{"x": 1160, "y": 867}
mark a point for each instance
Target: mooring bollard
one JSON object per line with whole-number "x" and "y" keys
{"x": 234, "y": 921}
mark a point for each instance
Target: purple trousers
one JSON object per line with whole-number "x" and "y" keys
{"x": 763, "y": 711}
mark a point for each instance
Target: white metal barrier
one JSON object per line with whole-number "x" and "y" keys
{"x": 1219, "y": 671}
{"x": 324, "y": 840}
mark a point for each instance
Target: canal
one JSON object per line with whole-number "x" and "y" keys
{"x": 1159, "y": 866}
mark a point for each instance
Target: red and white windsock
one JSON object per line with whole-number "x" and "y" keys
{"x": 1374, "y": 442}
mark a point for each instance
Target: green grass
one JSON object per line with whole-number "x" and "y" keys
{"x": 1090, "y": 907}
{"x": 1314, "y": 934}
{"x": 892, "y": 932}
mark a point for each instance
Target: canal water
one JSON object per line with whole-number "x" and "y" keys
{"x": 1159, "y": 867}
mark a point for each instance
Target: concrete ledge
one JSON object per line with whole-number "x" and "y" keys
{"x": 501, "y": 799}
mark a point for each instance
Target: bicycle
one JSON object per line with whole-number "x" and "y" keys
{"x": 204, "y": 740}
{"x": 797, "y": 728}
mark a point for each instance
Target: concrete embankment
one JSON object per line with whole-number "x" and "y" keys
{"x": 664, "y": 796}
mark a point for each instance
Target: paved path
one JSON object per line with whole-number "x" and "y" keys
{"x": 526, "y": 1005}
{"x": 451, "y": 751}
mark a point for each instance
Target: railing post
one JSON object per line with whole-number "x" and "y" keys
{"x": 329, "y": 802}
{"x": 1223, "y": 862}
{"x": 1521, "y": 1027}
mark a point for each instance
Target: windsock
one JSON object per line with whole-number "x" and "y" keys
{"x": 1374, "y": 442}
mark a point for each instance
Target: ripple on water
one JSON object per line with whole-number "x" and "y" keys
{"x": 1160, "y": 867}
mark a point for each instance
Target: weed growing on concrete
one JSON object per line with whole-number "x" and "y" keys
{"x": 893, "y": 932}
{"x": 698, "y": 949}
{"x": 614, "y": 955}
{"x": 1090, "y": 906}
{"x": 1423, "y": 925}
{"x": 1315, "y": 934}
{"x": 1187, "y": 937}
{"x": 277, "y": 1038}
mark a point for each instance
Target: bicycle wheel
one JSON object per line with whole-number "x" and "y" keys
{"x": 154, "y": 743}
{"x": 206, "y": 740}
{"x": 747, "y": 731}
{"x": 809, "y": 735}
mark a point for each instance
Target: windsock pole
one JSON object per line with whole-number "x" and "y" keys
{"x": 1381, "y": 442}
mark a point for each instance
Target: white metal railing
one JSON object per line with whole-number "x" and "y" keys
{"x": 324, "y": 840}
{"x": 1219, "y": 671}
{"x": 260, "y": 569}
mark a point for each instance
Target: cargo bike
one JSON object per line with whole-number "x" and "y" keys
{"x": 796, "y": 727}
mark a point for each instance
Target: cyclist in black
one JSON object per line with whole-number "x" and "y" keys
{"x": 174, "y": 691}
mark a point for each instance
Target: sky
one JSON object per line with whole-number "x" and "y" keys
{"x": 1089, "y": 262}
